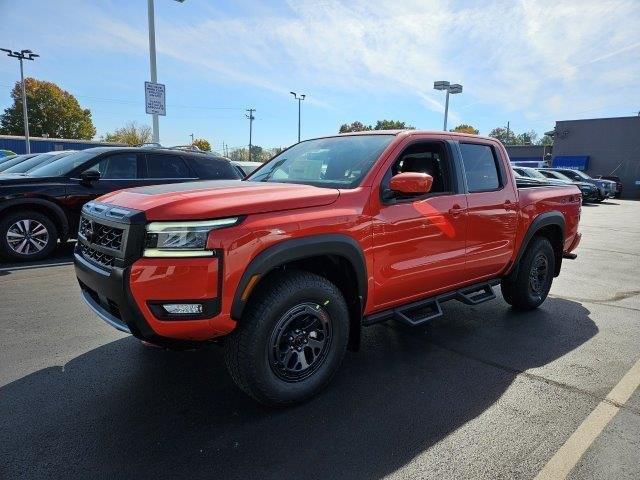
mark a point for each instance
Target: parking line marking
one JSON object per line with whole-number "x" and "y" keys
{"x": 570, "y": 453}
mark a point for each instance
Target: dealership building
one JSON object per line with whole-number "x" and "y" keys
{"x": 598, "y": 146}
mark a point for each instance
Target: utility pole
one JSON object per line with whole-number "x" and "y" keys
{"x": 251, "y": 119}
{"x": 299, "y": 99}
{"x": 23, "y": 55}
{"x": 507, "y": 139}
{"x": 191, "y": 138}
{"x": 152, "y": 63}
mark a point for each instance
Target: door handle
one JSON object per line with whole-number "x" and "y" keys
{"x": 456, "y": 210}
{"x": 509, "y": 205}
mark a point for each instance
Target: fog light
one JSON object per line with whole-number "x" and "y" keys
{"x": 183, "y": 308}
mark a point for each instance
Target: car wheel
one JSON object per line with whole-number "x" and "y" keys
{"x": 27, "y": 236}
{"x": 529, "y": 287}
{"x": 290, "y": 340}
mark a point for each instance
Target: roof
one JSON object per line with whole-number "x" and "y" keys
{"x": 407, "y": 132}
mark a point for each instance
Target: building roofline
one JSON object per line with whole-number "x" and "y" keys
{"x": 600, "y": 118}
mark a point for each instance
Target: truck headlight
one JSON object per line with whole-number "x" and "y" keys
{"x": 182, "y": 239}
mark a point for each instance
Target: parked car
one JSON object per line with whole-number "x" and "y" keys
{"x": 589, "y": 191}
{"x": 43, "y": 206}
{"x": 30, "y": 164}
{"x": 333, "y": 234}
{"x": 6, "y": 153}
{"x": 10, "y": 161}
{"x": 618, "y": 182}
{"x": 605, "y": 187}
{"x": 246, "y": 168}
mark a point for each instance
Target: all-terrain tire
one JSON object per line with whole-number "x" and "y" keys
{"x": 530, "y": 285}
{"x": 257, "y": 351}
{"x": 26, "y": 236}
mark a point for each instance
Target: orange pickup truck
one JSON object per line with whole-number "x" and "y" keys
{"x": 286, "y": 267}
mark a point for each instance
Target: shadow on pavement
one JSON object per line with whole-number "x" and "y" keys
{"x": 126, "y": 411}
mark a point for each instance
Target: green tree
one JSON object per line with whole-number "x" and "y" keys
{"x": 202, "y": 144}
{"x": 545, "y": 140}
{"x": 354, "y": 127}
{"x": 526, "y": 138}
{"x": 131, "y": 134}
{"x": 52, "y": 111}
{"x": 506, "y": 137}
{"x": 465, "y": 128}
{"x": 392, "y": 125}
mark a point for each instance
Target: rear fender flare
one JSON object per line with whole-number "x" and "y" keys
{"x": 543, "y": 220}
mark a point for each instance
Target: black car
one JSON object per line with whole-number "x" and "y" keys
{"x": 26, "y": 166}
{"x": 43, "y": 206}
{"x": 10, "y": 161}
{"x": 589, "y": 192}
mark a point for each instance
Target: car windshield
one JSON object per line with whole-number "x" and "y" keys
{"x": 334, "y": 162}
{"x": 35, "y": 162}
{"x": 532, "y": 172}
{"x": 559, "y": 176}
{"x": 64, "y": 165}
{"x": 582, "y": 174}
{"x": 4, "y": 165}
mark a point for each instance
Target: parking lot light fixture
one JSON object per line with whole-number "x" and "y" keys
{"x": 23, "y": 55}
{"x": 299, "y": 98}
{"x": 451, "y": 89}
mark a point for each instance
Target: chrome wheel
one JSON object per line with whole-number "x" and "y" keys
{"x": 300, "y": 342}
{"x": 27, "y": 237}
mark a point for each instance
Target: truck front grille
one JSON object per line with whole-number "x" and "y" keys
{"x": 100, "y": 234}
{"x": 95, "y": 256}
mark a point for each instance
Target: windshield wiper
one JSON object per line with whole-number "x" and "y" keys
{"x": 275, "y": 166}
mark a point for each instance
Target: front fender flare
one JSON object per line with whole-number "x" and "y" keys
{"x": 299, "y": 249}
{"x": 54, "y": 208}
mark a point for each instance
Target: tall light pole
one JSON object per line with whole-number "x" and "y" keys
{"x": 299, "y": 98}
{"x": 152, "y": 61}
{"x": 451, "y": 89}
{"x": 23, "y": 55}
{"x": 251, "y": 119}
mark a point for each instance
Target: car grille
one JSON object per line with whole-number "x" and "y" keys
{"x": 95, "y": 256}
{"x": 102, "y": 235}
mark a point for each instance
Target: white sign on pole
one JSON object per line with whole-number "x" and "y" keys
{"x": 154, "y": 98}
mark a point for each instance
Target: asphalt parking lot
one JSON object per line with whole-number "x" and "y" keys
{"x": 484, "y": 392}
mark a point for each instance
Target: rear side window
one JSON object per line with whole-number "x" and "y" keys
{"x": 118, "y": 167}
{"x": 481, "y": 167}
{"x": 167, "y": 166}
{"x": 212, "y": 168}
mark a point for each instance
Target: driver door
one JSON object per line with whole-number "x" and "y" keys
{"x": 419, "y": 242}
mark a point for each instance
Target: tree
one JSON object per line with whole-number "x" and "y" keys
{"x": 506, "y": 137}
{"x": 465, "y": 128}
{"x": 202, "y": 144}
{"x": 380, "y": 125}
{"x": 354, "y": 127}
{"x": 52, "y": 111}
{"x": 131, "y": 134}
{"x": 545, "y": 140}
{"x": 526, "y": 138}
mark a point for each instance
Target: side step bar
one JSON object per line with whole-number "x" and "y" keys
{"x": 423, "y": 311}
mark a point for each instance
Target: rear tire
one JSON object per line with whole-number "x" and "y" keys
{"x": 291, "y": 339}
{"x": 529, "y": 287}
{"x": 27, "y": 236}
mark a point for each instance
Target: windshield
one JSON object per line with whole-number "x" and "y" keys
{"x": 14, "y": 161}
{"x": 582, "y": 174}
{"x": 532, "y": 172}
{"x": 64, "y": 165}
{"x": 335, "y": 162}
{"x": 558, "y": 175}
{"x": 35, "y": 162}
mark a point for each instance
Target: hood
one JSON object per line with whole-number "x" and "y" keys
{"x": 219, "y": 198}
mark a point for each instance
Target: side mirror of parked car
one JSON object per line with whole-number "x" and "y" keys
{"x": 411, "y": 183}
{"x": 88, "y": 177}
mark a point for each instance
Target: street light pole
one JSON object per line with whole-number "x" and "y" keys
{"x": 451, "y": 89}
{"x": 299, "y": 98}
{"x": 251, "y": 119}
{"x": 152, "y": 63}
{"x": 23, "y": 55}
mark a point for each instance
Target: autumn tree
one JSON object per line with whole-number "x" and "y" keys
{"x": 131, "y": 134}
{"x": 202, "y": 144}
{"x": 52, "y": 111}
{"x": 466, "y": 128}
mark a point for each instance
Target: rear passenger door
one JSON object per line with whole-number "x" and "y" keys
{"x": 165, "y": 168}
{"x": 492, "y": 210}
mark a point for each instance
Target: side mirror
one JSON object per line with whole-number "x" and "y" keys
{"x": 411, "y": 183}
{"x": 88, "y": 177}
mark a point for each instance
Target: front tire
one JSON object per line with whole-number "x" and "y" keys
{"x": 529, "y": 287}
{"x": 291, "y": 339}
{"x": 27, "y": 236}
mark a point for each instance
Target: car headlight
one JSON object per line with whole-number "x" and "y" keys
{"x": 182, "y": 239}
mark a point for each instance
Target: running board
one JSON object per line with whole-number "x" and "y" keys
{"x": 423, "y": 311}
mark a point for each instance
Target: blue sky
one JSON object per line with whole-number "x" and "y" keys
{"x": 527, "y": 62}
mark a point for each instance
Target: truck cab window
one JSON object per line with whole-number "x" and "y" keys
{"x": 481, "y": 167}
{"x": 429, "y": 158}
